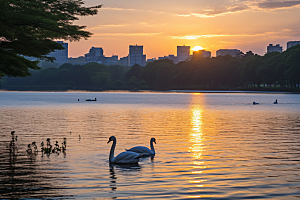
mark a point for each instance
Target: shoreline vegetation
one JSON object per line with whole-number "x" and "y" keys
{"x": 182, "y": 90}
{"x": 276, "y": 72}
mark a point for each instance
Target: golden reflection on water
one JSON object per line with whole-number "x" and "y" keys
{"x": 196, "y": 134}
{"x": 196, "y": 138}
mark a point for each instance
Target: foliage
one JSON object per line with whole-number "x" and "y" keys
{"x": 134, "y": 71}
{"x": 133, "y": 82}
{"x": 149, "y": 72}
{"x": 163, "y": 78}
{"x": 72, "y": 77}
{"x": 117, "y": 73}
{"x": 292, "y": 64}
{"x": 29, "y": 28}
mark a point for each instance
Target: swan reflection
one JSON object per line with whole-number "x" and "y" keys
{"x": 127, "y": 168}
{"x": 113, "y": 183}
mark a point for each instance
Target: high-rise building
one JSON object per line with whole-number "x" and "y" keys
{"x": 292, "y": 43}
{"x": 207, "y": 54}
{"x": 124, "y": 61}
{"x": 151, "y": 60}
{"x": 144, "y": 60}
{"x": 95, "y": 54}
{"x": 272, "y": 48}
{"x": 231, "y": 52}
{"x": 183, "y": 53}
{"x": 61, "y": 56}
{"x": 170, "y": 57}
{"x": 77, "y": 61}
{"x": 201, "y": 54}
{"x": 111, "y": 60}
{"x": 136, "y": 55}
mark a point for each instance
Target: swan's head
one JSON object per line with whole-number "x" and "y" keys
{"x": 153, "y": 140}
{"x": 112, "y": 138}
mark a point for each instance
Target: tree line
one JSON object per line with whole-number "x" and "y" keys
{"x": 273, "y": 70}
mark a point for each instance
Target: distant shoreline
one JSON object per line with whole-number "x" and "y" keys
{"x": 161, "y": 91}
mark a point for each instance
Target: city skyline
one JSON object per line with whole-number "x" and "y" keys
{"x": 136, "y": 56}
{"x": 232, "y": 52}
{"x": 161, "y": 26}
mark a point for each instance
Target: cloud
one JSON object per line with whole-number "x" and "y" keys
{"x": 194, "y": 37}
{"x": 283, "y": 33}
{"x": 182, "y": 15}
{"x": 238, "y": 8}
{"x": 203, "y": 15}
{"x": 108, "y": 25}
{"x": 130, "y": 9}
{"x": 214, "y": 12}
{"x": 127, "y": 9}
{"x": 277, "y": 4}
{"x": 208, "y": 8}
{"x": 125, "y": 34}
{"x": 203, "y": 9}
{"x": 234, "y": 6}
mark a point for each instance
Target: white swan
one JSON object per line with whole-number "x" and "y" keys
{"x": 144, "y": 150}
{"x": 125, "y": 157}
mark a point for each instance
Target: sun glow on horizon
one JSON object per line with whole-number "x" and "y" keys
{"x": 197, "y": 48}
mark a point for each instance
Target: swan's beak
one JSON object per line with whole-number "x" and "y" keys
{"x": 155, "y": 141}
{"x": 108, "y": 141}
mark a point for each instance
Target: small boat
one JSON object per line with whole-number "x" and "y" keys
{"x": 254, "y": 103}
{"x": 91, "y": 99}
{"x": 276, "y": 102}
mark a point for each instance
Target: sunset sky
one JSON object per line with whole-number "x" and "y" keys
{"x": 162, "y": 25}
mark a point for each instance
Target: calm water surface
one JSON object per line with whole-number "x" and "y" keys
{"x": 209, "y": 145}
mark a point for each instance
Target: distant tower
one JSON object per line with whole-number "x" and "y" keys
{"x": 183, "y": 53}
{"x": 272, "y": 48}
{"x": 136, "y": 55}
{"x": 95, "y": 54}
{"x": 292, "y": 43}
{"x": 61, "y": 56}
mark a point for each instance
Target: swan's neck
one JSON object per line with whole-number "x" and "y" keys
{"x": 112, "y": 151}
{"x": 152, "y": 147}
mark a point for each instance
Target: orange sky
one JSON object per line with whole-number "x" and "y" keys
{"x": 162, "y": 25}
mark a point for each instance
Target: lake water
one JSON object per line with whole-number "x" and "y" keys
{"x": 209, "y": 145}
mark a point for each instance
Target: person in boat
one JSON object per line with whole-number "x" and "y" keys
{"x": 276, "y": 101}
{"x": 91, "y": 99}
